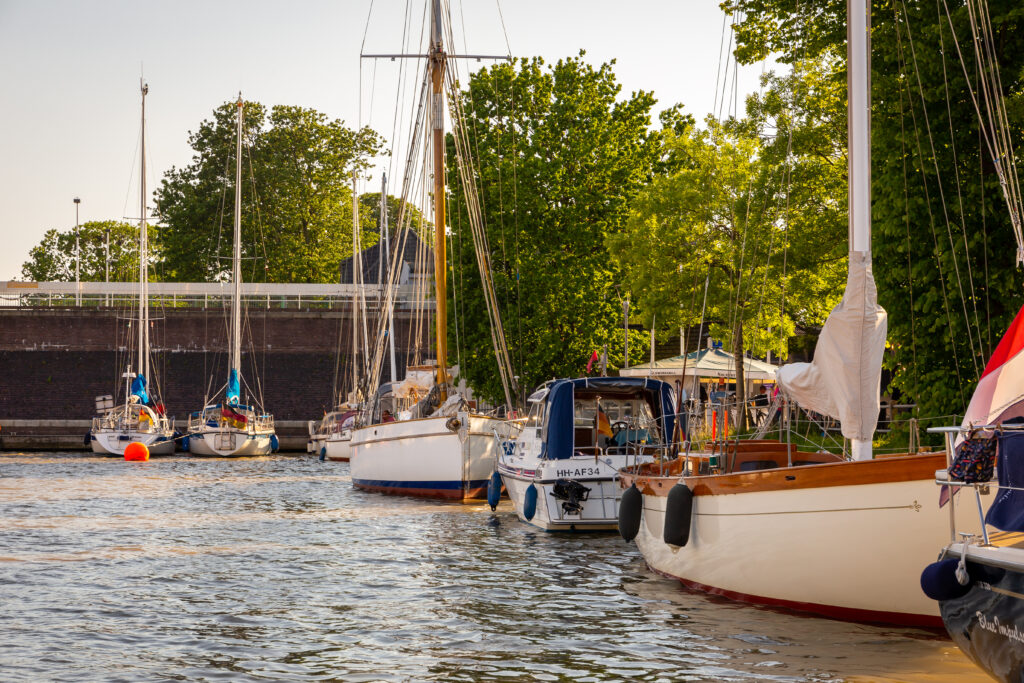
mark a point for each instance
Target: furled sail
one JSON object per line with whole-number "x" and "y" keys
{"x": 234, "y": 389}
{"x": 844, "y": 378}
{"x": 139, "y": 389}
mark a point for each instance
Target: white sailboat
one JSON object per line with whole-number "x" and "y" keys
{"x": 844, "y": 539}
{"x": 138, "y": 419}
{"x": 230, "y": 427}
{"x": 437, "y": 447}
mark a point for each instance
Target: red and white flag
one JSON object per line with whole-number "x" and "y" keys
{"x": 590, "y": 363}
{"x": 999, "y": 395}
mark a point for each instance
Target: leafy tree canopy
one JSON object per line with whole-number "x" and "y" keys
{"x": 561, "y": 155}
{"x": 942, "y": 240}
{"x": 53, "y": 259}
{"x": 296, "y": 196}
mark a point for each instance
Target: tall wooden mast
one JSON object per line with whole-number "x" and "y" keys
{"x": 437, "y": 65}
{"x": 236, "y": 260}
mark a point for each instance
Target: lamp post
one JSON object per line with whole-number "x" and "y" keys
{"x": 78, "y": 259}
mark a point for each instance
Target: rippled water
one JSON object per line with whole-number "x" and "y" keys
{"x": 275, "y": 568}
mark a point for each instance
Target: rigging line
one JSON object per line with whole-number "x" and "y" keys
{"x": 956, "y": 173}
{"x": 901, "y": 56}
{"x": 718, "y": 69}
{"x": 1009, "y": 184}
{"x": 515, "y": 213}
{"x": 984, "y": 252}
{"x": 995, "y": 96}
{"x": 504, "y": 30}
{"x": 366, "y": 28}
{"x": 259, "y": 219}
{"x": 906, "y": 216}
{"x": 942, "y": 194}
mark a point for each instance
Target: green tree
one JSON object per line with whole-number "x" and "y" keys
{"x": 751, "y": 218}
{"x": 296, "y": 196}
{"x": 560, "y": 158}
{"x": 942, "y": 240}
{"x": 53, "y": 259}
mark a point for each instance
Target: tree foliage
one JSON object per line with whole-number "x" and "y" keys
{"x": 296, "y": 196}
{"x": 748, "y": 233}
{"x": 53, "y": 259}
{"x": 560, "y": 158}
{"x": 943, "y": 247}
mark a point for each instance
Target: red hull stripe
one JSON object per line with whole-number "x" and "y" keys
{"x": 1011, "y": 344}
{"x": 476, "y": 490}
{"x": 830, "y": 611}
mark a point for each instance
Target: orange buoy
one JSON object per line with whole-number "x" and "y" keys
{"x": 136, "y": 451}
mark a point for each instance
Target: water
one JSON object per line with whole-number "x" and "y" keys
{"x": 275, "y": 568}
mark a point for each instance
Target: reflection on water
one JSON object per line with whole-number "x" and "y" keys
{"x": 276, "y": 568}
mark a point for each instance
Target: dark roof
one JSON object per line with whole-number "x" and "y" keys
{"x": 372, "y": 257}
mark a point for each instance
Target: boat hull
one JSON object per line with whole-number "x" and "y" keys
{"x": 336, "y": 447}
{"x": 843, "y": 540}
{"x": 600, "y": 512}
{"x": 426, "y": 458}
{"x": 988, "y": 622}
{"x": 113, "y": 442}
{"x": 229, "y": 443}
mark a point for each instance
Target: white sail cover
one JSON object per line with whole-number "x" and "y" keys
{"x": 844, "y": 379}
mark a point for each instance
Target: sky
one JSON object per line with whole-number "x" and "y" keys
{"x": 70, "y": 69}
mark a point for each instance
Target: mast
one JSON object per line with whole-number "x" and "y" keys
{"x": 859, "y": 142}
{"x": 236, "y": 265}
{"x": 386, "y": 261}
{"x": 355, "y": 285}
{"x": 437, "y": 66}
{"x": 143, "y": 366}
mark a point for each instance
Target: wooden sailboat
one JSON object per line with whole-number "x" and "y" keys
{"x": 141, "y": 418}
{"x": 763, "y": 523}
{"x": 231, "y": 427}
{"x": 448, "y": 452}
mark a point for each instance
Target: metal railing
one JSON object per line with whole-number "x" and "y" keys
{"x": 201, "y": 295}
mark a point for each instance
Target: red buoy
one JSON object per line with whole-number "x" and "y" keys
{"x": 136, "y": 451}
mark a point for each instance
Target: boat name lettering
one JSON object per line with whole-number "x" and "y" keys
{"x": 992, "y": 625}
{"x": 579, "y": 472}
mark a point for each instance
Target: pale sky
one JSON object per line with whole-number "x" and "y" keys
{"x": 69, "y": 79}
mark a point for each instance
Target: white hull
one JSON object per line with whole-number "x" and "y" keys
{"x": 600, "y": 512}
{"x": 848, "y": 551}
{"x": 425, "y": 458}
{"x": 114, "y": 441}
{"x": 227, "y": 443}
{"x": 334, "y": 447}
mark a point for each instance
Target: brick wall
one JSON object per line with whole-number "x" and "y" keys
{"x": 54, "y": 362}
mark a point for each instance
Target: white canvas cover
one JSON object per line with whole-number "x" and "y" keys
{"x": 843, "y": 381}
{"x": 416, "y": 383}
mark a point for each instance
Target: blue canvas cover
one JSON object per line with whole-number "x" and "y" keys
{"x": 139, "y": 389}
{"x": 233, "y": 390}
{"x": 1007, "y": 511}
{"x": 560, "y": 432}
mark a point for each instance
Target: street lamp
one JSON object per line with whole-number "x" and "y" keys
{"x": 78, "y": 259}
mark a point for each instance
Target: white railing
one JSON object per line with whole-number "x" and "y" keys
{"x": 14, "y": 294}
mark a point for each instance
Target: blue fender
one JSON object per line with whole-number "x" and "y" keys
{"x": 274, "y": 443}
{"x": 184, "y": 443}
{"x": 494, "y": 490}
{"x": 530, "y": 502}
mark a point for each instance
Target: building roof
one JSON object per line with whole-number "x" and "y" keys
{"x": 374, "y": 273}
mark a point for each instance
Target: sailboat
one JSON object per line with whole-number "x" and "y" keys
{"x": 330, "y": 437}
{"x": 763, "y": 523}
{"x": 430, "y": 444}
{"x": 141, "y": 418}
{"x": 230, "y": 427}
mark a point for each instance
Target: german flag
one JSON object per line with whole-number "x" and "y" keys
{"x": 234, "y": 418}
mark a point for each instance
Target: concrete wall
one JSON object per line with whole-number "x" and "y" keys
{"x": 55, "y": 361}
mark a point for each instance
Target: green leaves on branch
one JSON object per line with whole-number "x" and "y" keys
{"x": 560, "y": 158}
{"x": 53, "y": 259}
{"x": 296, "y": 197}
